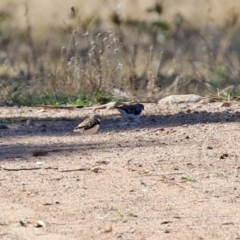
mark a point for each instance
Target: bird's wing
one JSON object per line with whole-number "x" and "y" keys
{"x": 87, "y": 124}
{"x": 130, "y": 109}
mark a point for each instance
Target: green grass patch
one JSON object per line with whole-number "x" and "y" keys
{"x": 60, "y": 99}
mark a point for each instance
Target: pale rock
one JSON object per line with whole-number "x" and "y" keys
{"x": 176, "y": 99}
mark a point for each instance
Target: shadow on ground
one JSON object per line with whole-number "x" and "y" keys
{"x": 42, "y": 148}
{"x": 62, "y": 126}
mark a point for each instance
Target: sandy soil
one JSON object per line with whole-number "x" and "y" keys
{"x": 173, "y": 175}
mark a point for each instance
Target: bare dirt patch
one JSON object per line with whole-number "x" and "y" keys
{"x": 172, "y": 175}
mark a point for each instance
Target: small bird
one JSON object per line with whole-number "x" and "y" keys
{"x": 131, "y": 112}
{"x": 90, "y": 125}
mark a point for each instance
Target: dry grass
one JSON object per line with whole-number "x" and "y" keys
{"x": 66, "y": 50}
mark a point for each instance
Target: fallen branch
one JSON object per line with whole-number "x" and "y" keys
{"x": 113, "y": 105}
{"x": 110, "y": 105}
{"x": 27, "y": 169}
{"x": 21, "y": 169}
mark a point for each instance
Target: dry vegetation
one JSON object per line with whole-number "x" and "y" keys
{"x": 57, "y": 52}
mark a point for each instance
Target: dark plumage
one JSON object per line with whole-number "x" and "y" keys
{"x": 131, "y": 112}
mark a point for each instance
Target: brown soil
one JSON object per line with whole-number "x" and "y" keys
{"x": 173, "y": 175}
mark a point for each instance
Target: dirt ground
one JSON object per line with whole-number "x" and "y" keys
{"x": 174, "y": 174}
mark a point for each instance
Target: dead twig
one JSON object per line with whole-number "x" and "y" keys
{"x": 110, "y": 105}
{"x": 75, "y": 170}
{"x": 27, "y": 169}
{"x": 154, "y": 130}
{"x": 21, "y": 169}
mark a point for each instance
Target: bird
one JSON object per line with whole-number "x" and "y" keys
{"x": 90, "y": 125}
{"x": 131, "y": 112}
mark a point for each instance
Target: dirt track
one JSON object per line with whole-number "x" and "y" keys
{"x": 173, "y": 175}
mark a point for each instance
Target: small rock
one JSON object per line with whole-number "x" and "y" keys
{"x": 95, "y": 169}
{"x": 106, "y": 229}
{"x": 223, "y": 156}
{"x": 39, "y": 153}
{"x": 40, "y": 223}
{"x": 39, "y": 163}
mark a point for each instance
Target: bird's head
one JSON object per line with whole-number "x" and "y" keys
{"x": 97, "y": 117}
{"x": 141, "y": 106}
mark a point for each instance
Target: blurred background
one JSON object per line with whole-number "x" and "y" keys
{"x": 86, "y": 52}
